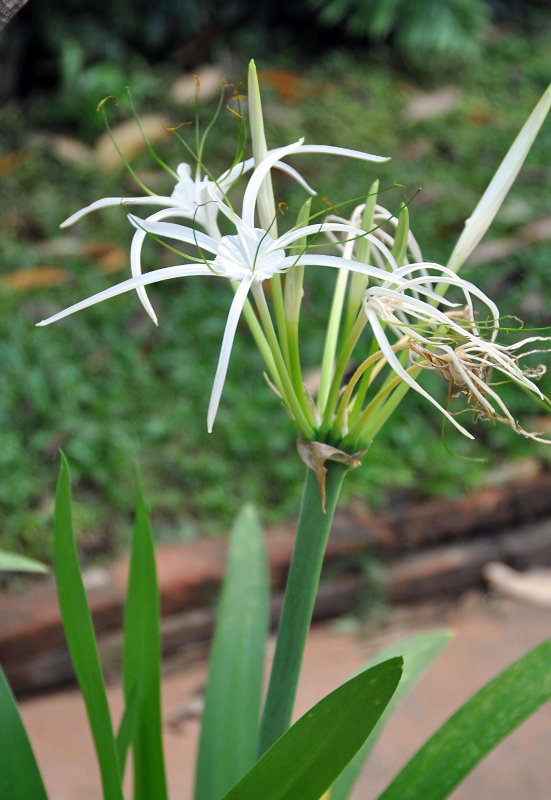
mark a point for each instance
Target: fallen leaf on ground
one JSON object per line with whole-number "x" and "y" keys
{"x": 11, "y": 161}
{"x": 288, "y": 84}
{"x": 36, "y": 277}
{"x": 129, "y": 138}
{"x": 432, "y": 104}
{"x": 114, "y": 260}
{"x": 184, "y": 90}
{"x": 71, "y": 150}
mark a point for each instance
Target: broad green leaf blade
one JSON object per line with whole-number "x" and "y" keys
{"x": 13, "y": 562}
{"x": 19, "y": 775}
{"x": 142, "y": 661}
{"x": 232, "y": 702}
{"x": 307, "y": 759}
{"x": 418, "y": 652}
{"x": 496, "y": 192}
{"x": 473, "y": 731}
{"x": 79, "y": 632}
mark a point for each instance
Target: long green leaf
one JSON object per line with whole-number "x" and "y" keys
{"x": 142, "y": 662}
{"x": 418, "y": 652}
{"x": 19, "y": 774}
{"x": 469, "y": 735}
{"x": 233, "y": 696}
{"x": 81, "y": 641}
{"x": 307, "y": 759}
{"x": 13, "y": 562}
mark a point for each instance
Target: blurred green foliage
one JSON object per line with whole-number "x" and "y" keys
{"x": 111, "y": 389}
{"x": 425, "y": 30}
{"x": 112, "y": 40}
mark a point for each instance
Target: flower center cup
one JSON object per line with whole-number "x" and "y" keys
{"x": 250, "y": 253}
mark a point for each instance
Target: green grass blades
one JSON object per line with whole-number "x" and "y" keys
{"x": 233, "y": 696}
{"x": 19, "y": 775}
{"x": 307, "y": 759}
{"x": 13, "y": 562}
{"x": 448, "y": 756}
{"x": 142, "y": 724}
{"x": 418, "y": 652}
{"x": 79, "y": 633}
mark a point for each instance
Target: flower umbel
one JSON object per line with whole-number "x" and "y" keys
{"x": 383, "y": 288}
{"x": 247, "y": 257}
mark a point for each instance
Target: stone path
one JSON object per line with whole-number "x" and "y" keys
{"x": 489, "y": 635}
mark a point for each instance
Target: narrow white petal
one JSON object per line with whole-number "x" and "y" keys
{"x": 256, "y": 179}
{"x": 165, "y": 274}
{"x": 293, "y": 173}
{"x": 180, "y": 233}
{"x": 341, "y": 151}
{"x": 308, "y": 230}
{"x": 136, "y": 251}
{"x": 344, "y": 263}
{"x": 451, "y": 278}
{"x": 490, "y": 202}
{"x": 225, "y": 351}
{"x": 227, "y": 178}
{"x": 394, "y": 363}
{"x": 153, "y": 200}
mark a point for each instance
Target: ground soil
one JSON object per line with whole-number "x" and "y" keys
{"x": 490, "y": 633}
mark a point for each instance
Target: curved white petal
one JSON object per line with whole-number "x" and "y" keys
{"x": 231, "y": 175}
{"x": 225, "y": 351}
{"x": 394, "y": 363}
{"x": 225, "y": 181}
{"x": 344, "y": 263}
{"x": 165, "y": 274}
{"x": 293, "y": 173}
{"x": 321, "y": 227}
{"x": 153, "y": 200}
{"x": 422, "y": 310}
{"x": 450, "y": 277}
{"x": 136, "y": 251}
{"x": 257, "y": 178}
{"x": 341, "y": 151}
{"x": 180, "y": 233}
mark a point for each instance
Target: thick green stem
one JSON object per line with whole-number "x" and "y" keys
{"x": 302, "y": 583}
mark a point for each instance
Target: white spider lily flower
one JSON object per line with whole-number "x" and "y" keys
{"x": 200, "y": 199}
{"x": 448, "y": 342}
{"x": 213, "y": 196}
{"x": 194, "y": 198}
{"x": 249, "y": 256}
{"x": 468, "y": 366}
{"x": 195, "y": 195}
